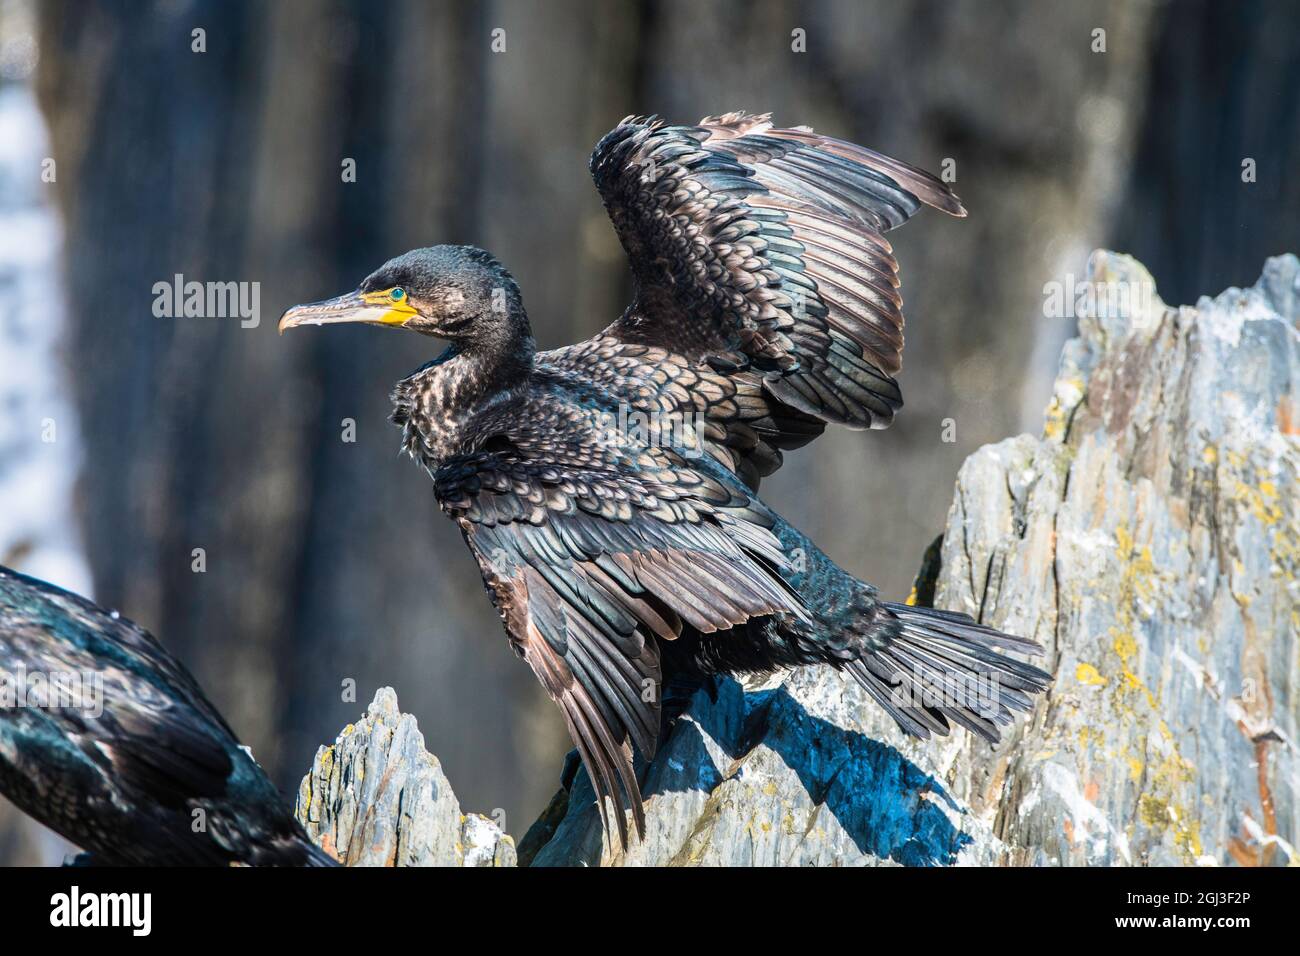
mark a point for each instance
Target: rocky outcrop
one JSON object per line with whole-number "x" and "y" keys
{"x": 1149, "y": 540}
{"x": 378, "y": 798}
{"x": 781, "y": 774}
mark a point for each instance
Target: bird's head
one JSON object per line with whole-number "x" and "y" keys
{"x": 457, "y": 293}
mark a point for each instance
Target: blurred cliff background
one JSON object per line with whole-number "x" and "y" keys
{"x": 326, "y": 560}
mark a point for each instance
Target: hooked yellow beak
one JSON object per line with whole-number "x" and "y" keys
{"x": 372, "y": 308}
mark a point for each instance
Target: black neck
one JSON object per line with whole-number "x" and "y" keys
{"x": 481, "y": 369}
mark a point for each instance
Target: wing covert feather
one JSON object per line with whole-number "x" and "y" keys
{"x": 588, "y": 567}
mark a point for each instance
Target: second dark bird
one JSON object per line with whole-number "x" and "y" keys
{"x": 107, "y": 739}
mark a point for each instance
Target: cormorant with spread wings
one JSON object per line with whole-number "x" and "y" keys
{"x": 608, "y": 490}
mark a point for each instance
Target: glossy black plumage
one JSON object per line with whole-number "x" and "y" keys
{"x": 608, "y": 490}
{"x": 768, "y": 242}
{"x": 131, "y": 761}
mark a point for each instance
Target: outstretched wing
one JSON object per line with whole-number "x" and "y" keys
{"x": 587, "y": 566}
{"x": 757, "y": 248}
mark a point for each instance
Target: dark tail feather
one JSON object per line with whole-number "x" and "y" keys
{"x": 940, "y": 666}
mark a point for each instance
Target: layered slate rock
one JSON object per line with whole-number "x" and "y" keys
{"x": 781, "y": 774}
{"x": 1150, "y": 540}
{"x": 376, "y": 797}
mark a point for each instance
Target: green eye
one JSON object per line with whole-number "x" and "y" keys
{"x": 398, "y": 294}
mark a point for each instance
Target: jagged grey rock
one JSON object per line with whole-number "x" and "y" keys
{"x": 1149, "y": 540}
{"x": 378, "y": 798}
{"x": 782, "y": 774}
